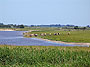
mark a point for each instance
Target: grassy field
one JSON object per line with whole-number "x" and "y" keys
{"x": 78, "y": 36}
{"x": 37, "y": 28}
{"x": 44, "y": 56}
{"x": 33, "y": 28}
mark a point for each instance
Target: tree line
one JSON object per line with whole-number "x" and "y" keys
{"x": 11, "y": 26}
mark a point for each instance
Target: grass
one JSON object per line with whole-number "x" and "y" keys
{"x": 34, "y": 28}
{"x": 37, "y": 28}
{"x": 44, "y": 56}
{"x": 75, "y": 36}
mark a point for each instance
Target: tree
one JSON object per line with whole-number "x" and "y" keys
{"x": 88, "y": 26}
{"x": 1, "y": 24}
{"x": 84, "y": 28}
{"x": 76, "y": 27}
{"x": 21, "y": 26}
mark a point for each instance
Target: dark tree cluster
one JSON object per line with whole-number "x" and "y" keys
{"x": 20, "y": 26}
{"x": 82, "y": 28}
{"x": 11, "y": 26}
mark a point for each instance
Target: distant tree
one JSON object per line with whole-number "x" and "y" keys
{"x": 87, "y": 26}
{"x": 32, "y": 25}
{"x": 84, "y": 28}
{"x": 21, "y": 26}
{"x": 76, "y": 27}
{"x": 1, "y": 24}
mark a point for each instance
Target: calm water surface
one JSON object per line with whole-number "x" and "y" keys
{"x": 16, "y": 38}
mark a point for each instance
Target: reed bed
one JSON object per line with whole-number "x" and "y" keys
{"x": 44, "y": 56}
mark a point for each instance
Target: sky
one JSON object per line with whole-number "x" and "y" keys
{"x": 29, "y": 12}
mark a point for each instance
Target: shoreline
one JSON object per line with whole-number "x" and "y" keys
{"x": 88, "y": 44}
{"x": 7, "y": 30}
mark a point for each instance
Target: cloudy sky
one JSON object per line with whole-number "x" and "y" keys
{"x": 29, "y": 12}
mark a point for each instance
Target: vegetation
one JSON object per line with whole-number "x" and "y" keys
{"x": 78, "y": 36}
{"x": 46, "y": 56}
{"x": 2, "y": 25}
{"x": 11, "y": 26}
{"x": 37, "y": 28}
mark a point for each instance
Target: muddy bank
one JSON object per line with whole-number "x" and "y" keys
{"x": 88, "y": 44}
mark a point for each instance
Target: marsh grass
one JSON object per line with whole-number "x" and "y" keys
{"x": 44, "y": 56}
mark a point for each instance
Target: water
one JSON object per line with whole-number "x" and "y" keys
{"x": 16, "y": 38}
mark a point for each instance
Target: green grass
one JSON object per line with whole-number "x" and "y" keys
{"x": 37, "y": 28}
{"x": 75, "y": 36}
{"x": 33, "y": 28}
{"x": 44, "y": 56}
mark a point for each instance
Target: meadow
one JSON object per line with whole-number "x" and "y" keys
{"x": 77, "y": 36}
{"x": 44, "y": 56}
